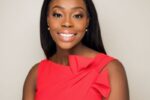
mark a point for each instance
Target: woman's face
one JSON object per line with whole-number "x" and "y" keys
{"x": 67, "y": 21}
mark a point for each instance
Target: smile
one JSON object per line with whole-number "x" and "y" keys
{"x": 67, "y": 37}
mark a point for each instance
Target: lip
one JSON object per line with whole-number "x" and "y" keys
{"x": 67, "y": 32}
{"x": 67, "y": 39}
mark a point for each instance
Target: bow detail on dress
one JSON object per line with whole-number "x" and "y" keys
{"x": 78, "y": 63}
{"x": 81, "y": 64}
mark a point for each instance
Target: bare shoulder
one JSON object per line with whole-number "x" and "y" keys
{"x": 115, "y": 66}
{"x": 32, "y": 73}
{"x": 118, "y": 81}
{"x": 33, "y": 70}
{"x": 30, "y": 84}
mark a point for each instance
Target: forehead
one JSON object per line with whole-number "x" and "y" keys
{"x": 68, "y": 4}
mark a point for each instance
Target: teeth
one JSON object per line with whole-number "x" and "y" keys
{"x": 66, "y": 35}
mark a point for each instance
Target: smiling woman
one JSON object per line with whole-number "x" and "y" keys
{"x": 76, "y": 65}
{"x": 67, "y": 22}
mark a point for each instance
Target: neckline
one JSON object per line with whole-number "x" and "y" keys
{"x": 70, "y": 56}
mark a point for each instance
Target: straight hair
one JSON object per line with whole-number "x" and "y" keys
{"x": 91, "y": 39}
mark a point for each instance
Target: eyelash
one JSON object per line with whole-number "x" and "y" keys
{"x": 78, "y": 16}
{"x": 58, "y": 15}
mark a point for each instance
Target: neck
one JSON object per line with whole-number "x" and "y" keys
{"x": 75, "y": 50}
{"x": 61, "y": 55}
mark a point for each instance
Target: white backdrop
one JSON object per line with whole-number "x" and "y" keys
{"x": 125, "y": 26}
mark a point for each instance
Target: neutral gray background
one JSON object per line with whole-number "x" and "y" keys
{"x": 125, "y": 26}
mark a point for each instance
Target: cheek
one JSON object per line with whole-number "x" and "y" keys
{"x": 53, "y": 25}
{"x": 81, "y": 26}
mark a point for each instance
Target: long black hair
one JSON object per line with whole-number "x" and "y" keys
{"x": 92, "y": 38}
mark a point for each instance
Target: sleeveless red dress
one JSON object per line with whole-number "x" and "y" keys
{"x": 83, "y": 79}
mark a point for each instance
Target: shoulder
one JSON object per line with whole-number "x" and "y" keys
{"x": 118, "y": 81}
{"x": 115, "y": 67}
{"x": 29, "y": 87}
{"x": 32, "y": 74}
{"x": 33, "y": 70}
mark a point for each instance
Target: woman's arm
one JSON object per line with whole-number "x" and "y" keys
{"x": 118, "y": 81}
{"x": 30, "y": 84}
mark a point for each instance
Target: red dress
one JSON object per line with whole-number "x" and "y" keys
{"x": 81, "y": 80}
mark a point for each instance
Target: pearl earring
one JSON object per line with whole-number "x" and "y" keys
{"x": 48, "y": 27}
{"x": 86, "y": 29}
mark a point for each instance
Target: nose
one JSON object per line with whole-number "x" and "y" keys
{"x": 67, "y": 22}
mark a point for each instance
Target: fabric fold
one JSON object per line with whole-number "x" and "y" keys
{"x": 102, "y": 84}
{"x": 78, "y": 63}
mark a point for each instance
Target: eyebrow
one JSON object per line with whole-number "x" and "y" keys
{"x": 74, "y": 8}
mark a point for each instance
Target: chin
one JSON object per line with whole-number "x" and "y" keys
{"x": 66, "y": 46}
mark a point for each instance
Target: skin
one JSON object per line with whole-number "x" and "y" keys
{"x": 65, "y": 15}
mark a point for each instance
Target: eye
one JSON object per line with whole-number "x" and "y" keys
{"x": 57, "y": 15}
{"x": 78, "y": 16}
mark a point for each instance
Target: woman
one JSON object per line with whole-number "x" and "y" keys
{"x": 76, "y": 65}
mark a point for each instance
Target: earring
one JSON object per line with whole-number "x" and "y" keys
{"x": 86, "y": 30}
{"x": 48, "y": 27}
